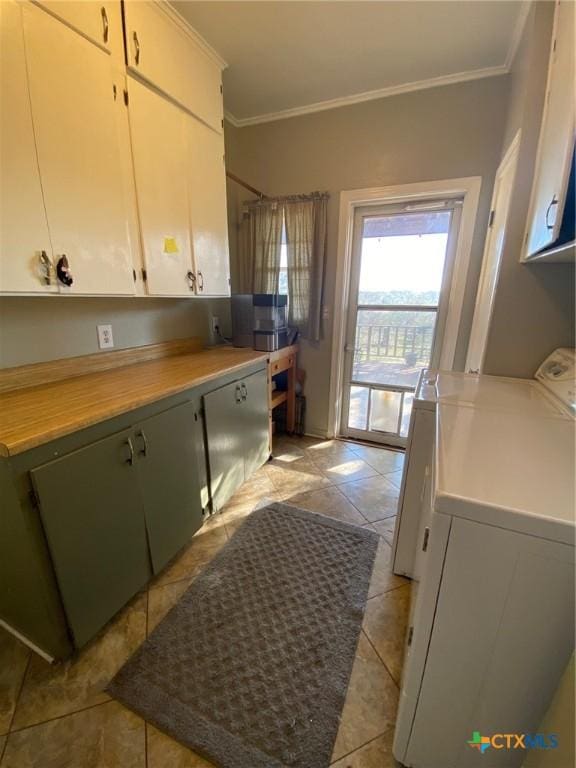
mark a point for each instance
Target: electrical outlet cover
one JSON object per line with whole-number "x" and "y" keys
{"x": 105, "y": 337}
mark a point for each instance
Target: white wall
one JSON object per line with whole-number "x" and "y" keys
{"x": 440, "y": 133}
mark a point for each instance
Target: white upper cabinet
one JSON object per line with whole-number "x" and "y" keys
{"x": 23, "y": 227}
{"x": 174, "y": 59}
{"x": 99, "y": 20}
{"x": 556, "y": 144}
{"x": 74, "y": 100}
{"x": 208, "y": 219}
{"x": 159, "y": 146}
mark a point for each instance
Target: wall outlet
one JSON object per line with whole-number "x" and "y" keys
{"x": 105, "y": 338}
{"x": 215, "y": 324}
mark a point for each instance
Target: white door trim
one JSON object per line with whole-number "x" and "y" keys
{"x": 484, "y": 296}
{"x": 467, "y": 188}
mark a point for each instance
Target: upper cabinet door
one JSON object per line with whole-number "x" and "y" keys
{"x": 74, "y": 101}
{"x": 99, "y": 20}
{"x": 23, "y": 227}
{"x": 177, "y": 62}
{"x": 556, "y": 143}
{"x": 208, "y": 217}
{"x": 158, "y": 131}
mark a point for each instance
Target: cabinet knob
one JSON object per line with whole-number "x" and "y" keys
{"x": 136, "y": 48}
{"x": 553, "y": 202}
{"x": 63, "y": 271}
{"x": 105, "y": 27}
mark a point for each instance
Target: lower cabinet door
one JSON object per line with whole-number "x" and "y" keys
{"x": 226, "y": 441}
{"x": 168, "y": 471}
{"x": 254, "y": 416}
{"x": 91, "y": 510}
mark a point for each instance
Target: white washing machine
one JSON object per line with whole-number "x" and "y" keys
{"x": 491, "y": 626}
{"x": 550, "y": 393}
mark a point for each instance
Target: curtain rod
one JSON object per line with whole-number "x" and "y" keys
{"x": 289, "y": 199}
{"x": 244, "y": 184}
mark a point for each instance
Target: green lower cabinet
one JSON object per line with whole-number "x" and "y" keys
{"x": 254, "y": 416}
{"x": 236, "y": 419}
{"x": 91, "y": 510}
{"x": 225, "y": 439}
{"x": 167, "y": 463}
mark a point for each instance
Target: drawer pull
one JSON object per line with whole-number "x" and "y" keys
{"x": 238, "y": 393}
{"x": 200, "y": 281}
{"x": 244, "y": 391}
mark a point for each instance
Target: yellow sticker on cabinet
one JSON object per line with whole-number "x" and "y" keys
{"x": 170, "y": 245}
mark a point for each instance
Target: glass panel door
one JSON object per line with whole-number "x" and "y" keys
{"x": 401, "y": 269}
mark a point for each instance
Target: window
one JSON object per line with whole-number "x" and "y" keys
{"x": 283, "y": 277}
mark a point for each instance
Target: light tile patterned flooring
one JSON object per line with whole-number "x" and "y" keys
{"x": 59, "y": 717}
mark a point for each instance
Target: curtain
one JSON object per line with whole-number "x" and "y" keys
{"x": 260, "y": 242}
{"x": 306, "y": 224}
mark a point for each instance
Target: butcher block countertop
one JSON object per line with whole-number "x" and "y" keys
{"x": 33, "y": 415}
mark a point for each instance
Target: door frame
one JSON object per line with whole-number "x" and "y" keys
{"x": 477, "y": 343}
{"x": 466, "y": 188}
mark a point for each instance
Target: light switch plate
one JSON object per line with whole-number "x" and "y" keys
{"x": 105, "y": 337}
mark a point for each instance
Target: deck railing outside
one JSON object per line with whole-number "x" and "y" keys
{"x": 399, "y": 342}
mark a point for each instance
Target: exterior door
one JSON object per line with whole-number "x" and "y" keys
{"x": 503, "y": 186}
{"x": 167, "y": 464}
{"x": 158, "y": 131}
{"x": 91, "y": 510}
{"x": 74, "y": 99}
{"x": 401, "y": 271}
{"x": 23, "y": 226}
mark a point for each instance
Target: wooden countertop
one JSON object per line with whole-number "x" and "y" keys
{"x": 35, "y": 415}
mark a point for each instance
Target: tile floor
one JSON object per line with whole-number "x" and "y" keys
{"x": 59, "y": 717}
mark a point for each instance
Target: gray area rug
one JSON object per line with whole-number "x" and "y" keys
{"x": 250, "y": 668}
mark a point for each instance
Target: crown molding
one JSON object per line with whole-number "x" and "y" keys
{"x": 357, "y": 98}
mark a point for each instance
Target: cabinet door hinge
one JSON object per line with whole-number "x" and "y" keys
{"x": 221, "y": 89}
{"x": 134, "y": 274}
{"x": 126, "y": 96}
{"x": 115, "y": 91}
{"x": 426, "y": 538}
{"x": 491, "y": 219}
{"x": 410, "y": 636}
{"x": 144, "y": 275}
{"x": 222, "y": 121}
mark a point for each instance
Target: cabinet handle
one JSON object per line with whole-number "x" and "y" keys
{"x": 144, "y": 450}
{"x": 200, "y": 281}
{"x": 104, "y": 24}
{"x": 192, "y": 279}
{"x": 47, "y": 268}
{"x": 136, "y": 48}
{"x": 130, "y": 459}
{"x": 63, "y": 271}
{"x": 238, "y": 393}
{"x": 426, "y": 538}
{"x": 244, "y": 391}
{"x": 554, "y": 201}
